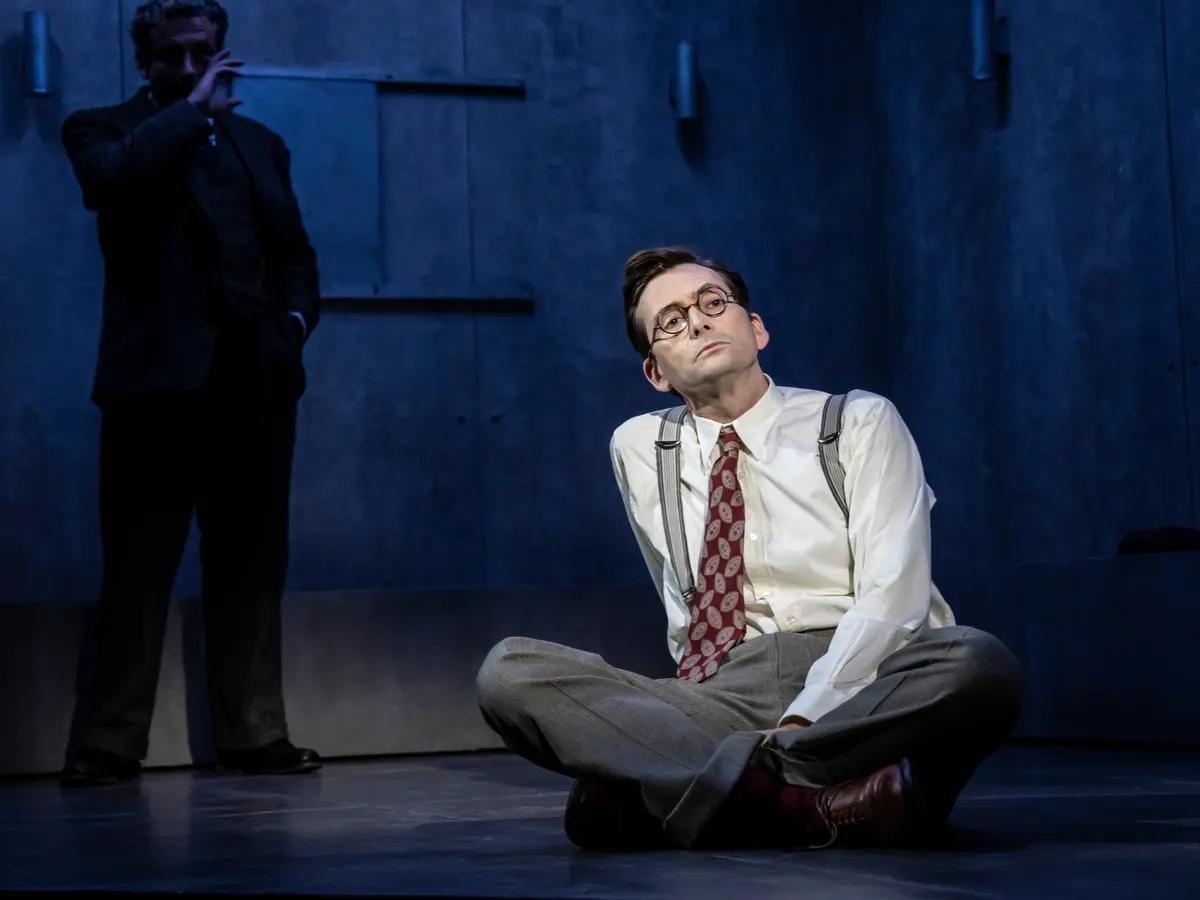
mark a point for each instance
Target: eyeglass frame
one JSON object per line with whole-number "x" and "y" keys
{"x": 728, "y": 296}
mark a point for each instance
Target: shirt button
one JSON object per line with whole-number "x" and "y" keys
{"x": 752, "y": 536}
{"x": 790, "y": 620}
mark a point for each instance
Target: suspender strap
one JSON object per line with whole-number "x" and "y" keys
{"x": 670, "y": 492}
{"x": 670, "y": 496}
{"x": 827, "y": 444}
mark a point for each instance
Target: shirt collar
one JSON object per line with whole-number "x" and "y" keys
{"x": 752, "y": 426}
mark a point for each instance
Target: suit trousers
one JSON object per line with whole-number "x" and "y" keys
{"x": 945, "y": 700}
{"x": 223, "y": 453}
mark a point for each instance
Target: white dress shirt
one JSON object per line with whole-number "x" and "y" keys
{"x": 805, "y": 569}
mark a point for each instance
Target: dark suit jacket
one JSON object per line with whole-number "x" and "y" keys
{"x": 161, "y": 251}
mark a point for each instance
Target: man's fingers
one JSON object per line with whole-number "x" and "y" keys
{"x": 226, "y": 68}
{"x": 790, "y": 726}
{"x": 221, "y": 66}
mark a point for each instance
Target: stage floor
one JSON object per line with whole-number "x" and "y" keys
{"x": 1036, "y": 822}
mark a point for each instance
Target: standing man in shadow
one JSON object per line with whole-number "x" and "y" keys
{"x": 210, "y": 292}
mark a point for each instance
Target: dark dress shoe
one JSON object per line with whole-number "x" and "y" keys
{"x": 885, "y": 809}
{"x": 276, "y": 758}
{"x": 94, "y": 768}
{"x": 610, "y": 815}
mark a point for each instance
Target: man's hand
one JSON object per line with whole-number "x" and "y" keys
{"x": 204, "y": 96}
{"x": 790, "y": 724}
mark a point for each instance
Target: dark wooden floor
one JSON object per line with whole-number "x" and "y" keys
{"x": 1037, "y": 822}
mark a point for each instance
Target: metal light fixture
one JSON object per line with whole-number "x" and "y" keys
{"x": 989, "y": 40}
{"x": 36, "y": 43}
{"x": 683, "y": 86}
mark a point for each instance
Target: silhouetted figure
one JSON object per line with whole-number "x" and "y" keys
{"x": 824, "y": 693}
{"x": 210, "y": 292}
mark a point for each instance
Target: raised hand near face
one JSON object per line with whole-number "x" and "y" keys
{"x": 205, "y": 95}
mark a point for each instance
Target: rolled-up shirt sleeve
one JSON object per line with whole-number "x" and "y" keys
{"x": 889, "y": 505}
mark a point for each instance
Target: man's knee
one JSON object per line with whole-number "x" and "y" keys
{"x": 493, "y": 679}
{"x": 504, "y": 674}
{"x": 987, "y": 673}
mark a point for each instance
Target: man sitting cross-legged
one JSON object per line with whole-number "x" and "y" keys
{"x": 823, "y": 692}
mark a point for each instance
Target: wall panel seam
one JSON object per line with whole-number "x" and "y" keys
{"x": 1174, "y": 209}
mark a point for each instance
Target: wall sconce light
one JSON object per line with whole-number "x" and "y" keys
{"x": 989, "y": 40}
{"x": 36, "y": 44}
{"x": 683, "y": 85}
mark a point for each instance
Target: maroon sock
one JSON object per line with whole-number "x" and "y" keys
{"x": 763, "y": 809}
{"x": 799, "y": 805}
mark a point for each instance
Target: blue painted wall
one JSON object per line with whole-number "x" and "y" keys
{"x": 1038, "y": 338}
{"x": 1015, "y": 287}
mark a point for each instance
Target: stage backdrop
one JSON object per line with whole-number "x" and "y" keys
{"x": 1012, "y": 262}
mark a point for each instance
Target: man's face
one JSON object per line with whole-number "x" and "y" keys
{"x": 709, "y": 348}
{"x": 180, "y": 51}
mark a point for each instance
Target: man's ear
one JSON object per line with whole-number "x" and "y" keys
{"x": 761, "y": 336}
{"x": 654, "y": 375}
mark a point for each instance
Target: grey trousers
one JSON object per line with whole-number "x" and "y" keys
{"x": 944, "y": 701}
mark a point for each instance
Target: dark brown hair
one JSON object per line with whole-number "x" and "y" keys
{"x": 156, "y": 13}
{"x": 646, "y": 265}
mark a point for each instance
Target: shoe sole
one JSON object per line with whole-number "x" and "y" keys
{"x": 302, "y": 769}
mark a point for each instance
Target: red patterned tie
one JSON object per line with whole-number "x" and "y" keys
{"x": 718, "y": 611}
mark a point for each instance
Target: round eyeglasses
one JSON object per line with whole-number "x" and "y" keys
{"x": 672, "y": 320}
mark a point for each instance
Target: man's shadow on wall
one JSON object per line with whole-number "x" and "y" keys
{"x": 689, "y": 133}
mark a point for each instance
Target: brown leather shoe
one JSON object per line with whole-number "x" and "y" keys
{"x": 884, "y": 809}
{"x": 610, "y": 815}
